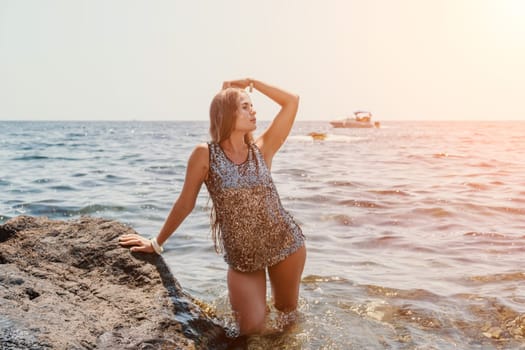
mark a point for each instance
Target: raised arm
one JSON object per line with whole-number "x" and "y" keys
{"x": 275, "y": 135}
{"x": 196, "y": 173}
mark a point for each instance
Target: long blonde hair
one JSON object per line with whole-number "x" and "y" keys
{"x": 224, "y": 110}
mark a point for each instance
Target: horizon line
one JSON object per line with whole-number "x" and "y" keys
{"x": 262, "y": 120}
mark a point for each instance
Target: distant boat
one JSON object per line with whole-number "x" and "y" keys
{"x": 320, "y": 136}
{"x": 361, "y": 119}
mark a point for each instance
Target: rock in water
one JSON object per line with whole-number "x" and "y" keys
{"x": 70, "y": 285}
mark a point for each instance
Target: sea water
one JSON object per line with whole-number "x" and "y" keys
{"x": 415, "y": 231}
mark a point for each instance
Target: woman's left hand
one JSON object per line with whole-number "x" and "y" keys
{"x": 137, "y": 243}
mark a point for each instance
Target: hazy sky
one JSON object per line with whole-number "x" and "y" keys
{"x": 164, "y": 60}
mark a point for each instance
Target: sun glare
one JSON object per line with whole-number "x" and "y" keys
{"x": 506, "y": 19}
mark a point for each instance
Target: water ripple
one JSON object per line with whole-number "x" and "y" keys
{"x": 415, "y": 230}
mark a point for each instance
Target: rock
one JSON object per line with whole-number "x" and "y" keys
{"x": 70, "y": 285}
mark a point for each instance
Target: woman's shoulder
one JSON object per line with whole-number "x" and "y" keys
{"x": 203, "y": 146}
{"x": 199, "y": 163}
{"x": 201, "y": 152}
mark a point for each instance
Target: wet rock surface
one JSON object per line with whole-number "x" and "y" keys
{"x": 70, "y": 285}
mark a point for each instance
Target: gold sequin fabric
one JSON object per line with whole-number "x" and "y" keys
{"x": 255, "y": 230}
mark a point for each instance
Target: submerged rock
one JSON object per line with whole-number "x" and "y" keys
{"x": 70, "y": 285}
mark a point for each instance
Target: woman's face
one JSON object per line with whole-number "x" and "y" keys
{"x": 246, "y": 120}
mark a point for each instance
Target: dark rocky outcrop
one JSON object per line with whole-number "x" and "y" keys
{"x": 70, "y": 285}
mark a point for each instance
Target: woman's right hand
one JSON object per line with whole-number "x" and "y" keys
{"x": 240, "y": 83}
{"x": 137, "y": 243}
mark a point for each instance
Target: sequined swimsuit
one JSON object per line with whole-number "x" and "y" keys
{"x": 255, "y": 230}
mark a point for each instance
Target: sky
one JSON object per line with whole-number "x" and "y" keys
{"x": 165, "y": 60}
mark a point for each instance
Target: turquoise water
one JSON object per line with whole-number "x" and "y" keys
{"x": 416, "y": 230}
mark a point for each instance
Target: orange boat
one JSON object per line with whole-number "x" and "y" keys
{"x": 318, "y": 135}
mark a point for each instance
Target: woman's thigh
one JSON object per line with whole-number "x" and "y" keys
{"x": 285, "y": 278}
{"x": 247, "y": 292}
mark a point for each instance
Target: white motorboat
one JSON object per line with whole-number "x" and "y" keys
{"x": 361, "y": 119}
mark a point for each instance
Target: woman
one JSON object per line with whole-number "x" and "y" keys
{"x": 249, "y": 223}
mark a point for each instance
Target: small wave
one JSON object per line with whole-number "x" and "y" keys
{"x": 131, "y": 156}
{"x": 97, "y": 208}
{"x": 113, "y": 178}
{"x": 32, "y": 157}
{"x": 342, "y": 183}
{"x": 477, "y": 186}
{"x": 316, "y": 198}
{"x": 43, "y": 209}
{"x": 76, "y": 134}
{"x": 390, "y": 192}
{"x": 89, "y": 184}
{"x": 292, "y": 171}
{"x": 447, "y": 155}
{"x": 39, "y": 157}
{"x": 342, "y": 219}
{"x": 493, "y": 320}
{"x": 64, "y": 158}
{"x": 43, "y": 181}
{"x": 158, "y": 208}
{"x": 24, "y": 190}
{"x": 164, "y": 170}
{"x": 497, "y": 183}
{"x": 414, "y": 311}
{"x": 314, "y": 279}
{"x": 436, "y": 212}
{"x": 496, "y": 243}
{"x": 359, "y": 203}
{"x": 86, "y": 145}
{"x": 38, "y": 209}
{"x": 500, "y": 277}
{"x": 491, "y": 236}
{"x": 377, "y": 242}
{"x": 395, "y": 243}
{"x": 483, "y": 165}
{"x": 519, "y": 199}
{"x": 63, "y": 188}
{"x": 509, "y": 210}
